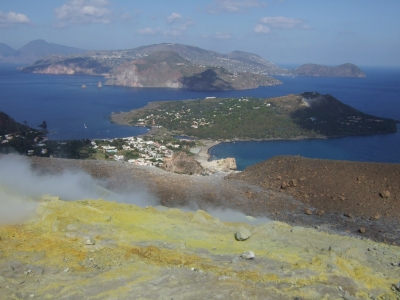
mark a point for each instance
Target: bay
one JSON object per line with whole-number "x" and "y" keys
{"x": 75, "y": 113}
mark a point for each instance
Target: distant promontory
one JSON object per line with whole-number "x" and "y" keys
{"x": 344, "y": 70}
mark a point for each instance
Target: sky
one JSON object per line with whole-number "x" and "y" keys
{"x": 330, "y": 32}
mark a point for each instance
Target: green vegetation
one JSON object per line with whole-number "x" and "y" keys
{"x": 292, "y": 116}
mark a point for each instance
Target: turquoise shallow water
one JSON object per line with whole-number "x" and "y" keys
{"x": 75, "y": 113}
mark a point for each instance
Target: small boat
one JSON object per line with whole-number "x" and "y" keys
{"x": 84, "y": 125}
{"x": 99, "y": 85}
{"x": 83, "y": 86}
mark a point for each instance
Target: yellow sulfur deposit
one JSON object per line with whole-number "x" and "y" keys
{"x": 96, "y": 249}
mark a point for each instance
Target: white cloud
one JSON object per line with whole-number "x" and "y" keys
{"x": 233, "y": 6}
{"x": 174, "y": 17}
{"x": 12, "y": 18}
{"x": 283, "y": 23}
{"x": 259, "y": 28}
{"x": 84, "y": 11}
{"x": 266, "y": 24}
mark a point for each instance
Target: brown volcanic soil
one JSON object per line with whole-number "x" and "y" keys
{"x": 348, "y": 193}
{"x": 334, "y": 186}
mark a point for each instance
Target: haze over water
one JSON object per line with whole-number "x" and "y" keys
{"x": 75, "y": 113}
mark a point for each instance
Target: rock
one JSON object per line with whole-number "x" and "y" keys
{"x": 66, "y": 270}
{"x": 319, "y": 212}
{"x": 181, "y": 163}
{"x": 284, "y": 185}
{"x": 90, "y": 241}
{"x": 307, "y": 211}
{"x": 385, "y": 194}
{"x": 108, "y": 218}
{"x": 348, "y": 215}
{"x": 376, "y": 217}
{"x": 397, "y": 286}
{"x": 248, "y": 255}
{"x": 242, "y": 234}
{"x": 293, "y": 182}
{"x": 362, "y": 230}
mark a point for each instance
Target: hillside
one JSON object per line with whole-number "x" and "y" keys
{"x": 102, "y": 249}
{"x": 37, "y": 49}
{"x": 345, "y": 70}
{"x": 6, "y": 50}
{"x": 293, "y": 116}
{"x": 169, "y": 69}
{"x": 233, "y": 62}
{"x": 9, "y": 125}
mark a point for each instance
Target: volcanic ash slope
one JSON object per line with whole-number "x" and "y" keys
{"x": 95, "y": 249}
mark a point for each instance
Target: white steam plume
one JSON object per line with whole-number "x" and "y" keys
{"x": 18, "y": 182}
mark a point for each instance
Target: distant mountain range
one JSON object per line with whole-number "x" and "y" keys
{"x": 33, "y": 51}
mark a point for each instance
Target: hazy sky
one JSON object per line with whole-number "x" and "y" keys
{"x": 364, "y": 32}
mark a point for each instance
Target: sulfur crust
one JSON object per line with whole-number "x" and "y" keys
{"x": 138, "y": 244}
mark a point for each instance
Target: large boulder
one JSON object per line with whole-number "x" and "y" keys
{"x": 221, "y": 165}
{"x": 181, "y": 163}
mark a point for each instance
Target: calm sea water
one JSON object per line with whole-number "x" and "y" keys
{"x": 75, "y": 113}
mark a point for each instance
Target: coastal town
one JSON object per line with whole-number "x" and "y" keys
{"x": 138, "y": 150}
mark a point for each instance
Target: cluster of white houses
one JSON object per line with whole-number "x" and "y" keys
{"x": 151, "y": 153}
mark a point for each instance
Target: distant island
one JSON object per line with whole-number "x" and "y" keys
{"x": 308, "y": 115}
{"x": 344, "y": 70}
{"x": 147, "y": 66}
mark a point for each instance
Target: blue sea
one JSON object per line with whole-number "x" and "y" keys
{"x": 75, "y": 113}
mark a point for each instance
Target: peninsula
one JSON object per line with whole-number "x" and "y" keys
{"x": 293, "y": 116}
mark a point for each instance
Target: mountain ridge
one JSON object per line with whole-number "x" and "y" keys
{"x": 35, "y": 50}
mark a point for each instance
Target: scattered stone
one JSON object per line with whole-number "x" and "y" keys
{"x": 90, "y": 241}
{"x": 376, "y": 217}
{"x": 284, "y": 185}
{"x": 248, "y": 255}
{"x": 308, "y": 211}
{"x": 66, "y": 270}
{"x": 362, "y": 230}
{"x": 319, "y": 212}
{"x": 397, "y": 286}
{"x": 385, "y": 194}
{"x": 242, "y": 234}
{"x": 342, "y": 198}
{"x": 293, "y": 182}
{"x": 348, "y": 215}
{"x": 108, "y": 218}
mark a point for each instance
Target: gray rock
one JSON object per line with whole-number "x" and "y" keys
{"x": 397, "y": 286}
{"x": 90, "y": 241}
{"x": 242, "y": 234}
{"x": 248, "y": 255}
